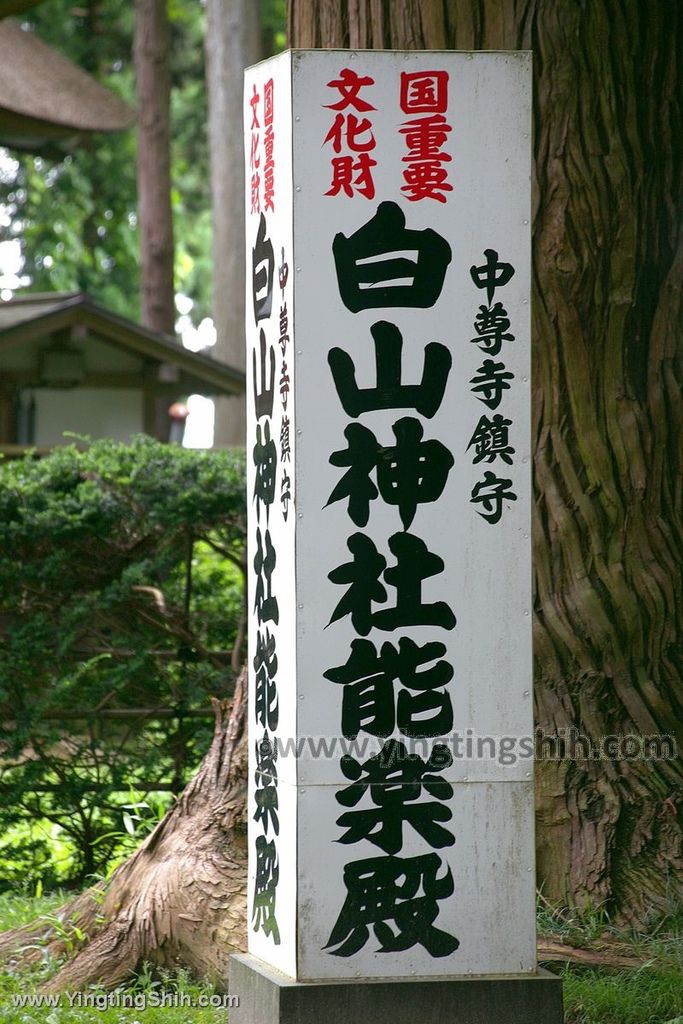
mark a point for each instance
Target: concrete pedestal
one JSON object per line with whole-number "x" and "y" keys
{"x": 268, "y": 997}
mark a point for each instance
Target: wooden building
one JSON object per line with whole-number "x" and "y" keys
{"x": 67, "y": 364}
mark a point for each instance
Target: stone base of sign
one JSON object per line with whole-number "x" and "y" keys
{"x": 268, "y": 997}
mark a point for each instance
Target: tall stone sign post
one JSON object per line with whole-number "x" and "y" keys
{"x": 391, "y": 834}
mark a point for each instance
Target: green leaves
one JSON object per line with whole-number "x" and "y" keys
{"x": 76, "y": 213}
{"x": 99, "y": 615}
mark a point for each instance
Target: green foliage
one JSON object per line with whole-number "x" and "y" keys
{"x": 650, "y": 994}
{"x": 76, "y": 213}
{"x": 175, "y": 987}
{"x": 26, "y": 857}
{"x": 18, "y": 908}
{"x": 274, "y": 25}
{"x": 653, "y": 994}
{"x": 121, "y": 583}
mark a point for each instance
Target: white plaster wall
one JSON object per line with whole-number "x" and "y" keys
{"x": 116, "y": 413}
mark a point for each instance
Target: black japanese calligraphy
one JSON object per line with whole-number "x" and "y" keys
{"x": 490, "y": 440}
{"x": 368, "y": 678}
{"x": 362, "y": 575}
{"x": 409, "y": 473}
{"x": 403, "y": 685}
{"x": 265, "y": 794}
{"x": 376, "y": 266}
{"x": 414, "y": 564}
{"x": 265, "y": 462}
{"x": 491, "y": 326}
{"x": 265, "y": 603}
{"x": 396, "y": 782}
{"x": 491, "y": 380}
{"x": 490, "y": 493}
{"x": 389, "y": 391}
{"x": 264, "y": 616}
{"x": 263, "y": 395}
{"x": 266, "y": 707}
{"x": 492, "y": 274}
{"x": 398, "y": 897}
{"x": 285, "y": 446}
{"x": 263, "y": 261}
{"x": 265, "y": 889}
{"x": 285, "y": 494}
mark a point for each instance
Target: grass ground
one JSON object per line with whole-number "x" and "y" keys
{"x": 179, "y": 988}
{"x": 652, "y": 994}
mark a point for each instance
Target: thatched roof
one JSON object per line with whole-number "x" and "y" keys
{"x": 43, "y": 96}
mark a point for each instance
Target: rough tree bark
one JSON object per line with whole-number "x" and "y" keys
{"x": 180, "y": 899}
{"x": 232, "y": 43}
{"x": 153, "y": 84}
{"x": 608, "y": 250}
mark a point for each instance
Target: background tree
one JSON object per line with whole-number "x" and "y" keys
{"x": 233, "y": 42}
{"x": 152, "y": 51}
{"x": 607, "y": 314}
{"x": 239, "y": 33}
{"x": 76, "y": 214}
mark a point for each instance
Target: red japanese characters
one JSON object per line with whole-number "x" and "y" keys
{"x": 423, "y": 96}
{"x": 351, "y": 137}
{"x": 425, "y": 176}
{"x": 261, "y": 155}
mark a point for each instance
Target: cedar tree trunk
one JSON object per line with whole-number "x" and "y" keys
{"x": 607, "y": 325}
{"x": 153, "y": 81}
{"x": 232, "y": 43}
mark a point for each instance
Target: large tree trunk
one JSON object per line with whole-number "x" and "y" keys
{"x": 180, "y": 899}
{"x": 152, "y": 47}
{"x": 153, "y": 83}
{"x": 232, "y": 43}
{"x": 608, "y": 248}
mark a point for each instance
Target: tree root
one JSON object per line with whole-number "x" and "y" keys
{"x": 179, "y": 900}
{"x": 615, "y": 955}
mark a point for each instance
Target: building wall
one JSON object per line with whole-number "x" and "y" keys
{"x": 116, "y": 413}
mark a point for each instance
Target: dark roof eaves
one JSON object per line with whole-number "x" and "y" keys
{"x": 155, "y": 345}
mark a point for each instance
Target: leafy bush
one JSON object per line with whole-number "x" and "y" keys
{"x": 121, "y": 588}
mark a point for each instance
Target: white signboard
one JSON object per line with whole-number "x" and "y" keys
{"x": 391, "y": 801}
